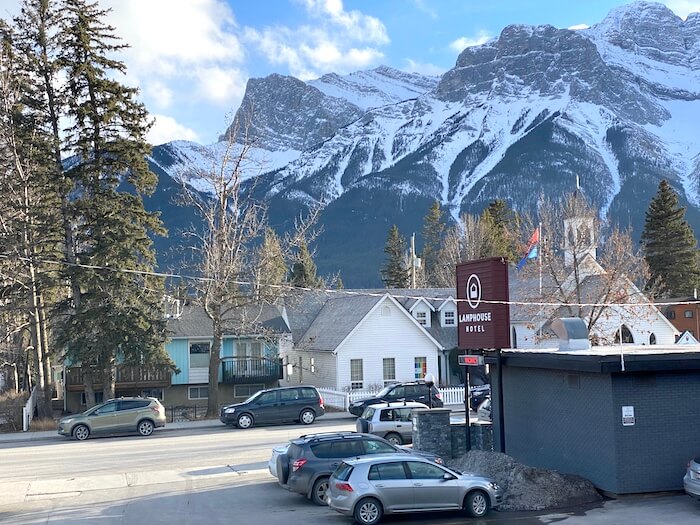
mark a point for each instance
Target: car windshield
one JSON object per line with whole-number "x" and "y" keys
{"x": 93, "y": 409}
{"x": 254, "y": 396}
{"x": 368, "y": 413}
{"x": 384, "y": 391}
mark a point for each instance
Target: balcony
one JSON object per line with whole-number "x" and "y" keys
{"x": 246, "y": 370}
{"x": 128, "y": 376}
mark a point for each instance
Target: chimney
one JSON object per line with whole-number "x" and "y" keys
{"x": 572, "y": 333}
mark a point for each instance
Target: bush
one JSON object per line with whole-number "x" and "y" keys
{"x": 11, "y": 404}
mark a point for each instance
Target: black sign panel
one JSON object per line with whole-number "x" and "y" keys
{"x": 481, "y": 323}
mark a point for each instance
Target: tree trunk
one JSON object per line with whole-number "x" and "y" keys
{"x": 109, "y": 377}
{"x": 89, "y": 386}
{"x": 214, "y": 364}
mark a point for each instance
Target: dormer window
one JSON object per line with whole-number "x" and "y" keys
{"x": 449, "y": 319}
{"x": 422, "y": 318}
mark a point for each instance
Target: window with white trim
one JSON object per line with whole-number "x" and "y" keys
{"x": 356, "y": 374}
{"x": 448, "y": 318}
{"x": 246, "y": 390}
{"x": 199, "y": 354}
{"x": 198, "y": 392}
{"x": 422, "y": 318}
{"x": 389, "y": 370}
{"x": 153, "y": 392}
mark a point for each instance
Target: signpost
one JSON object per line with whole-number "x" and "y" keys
{"x": 483, "y": 321}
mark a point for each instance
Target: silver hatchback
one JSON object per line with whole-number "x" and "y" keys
{"x": 370, "y": 486}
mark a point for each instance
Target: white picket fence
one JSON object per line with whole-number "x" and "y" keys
{"x": 28, "y": 411}
{"x": 341, "y": 400}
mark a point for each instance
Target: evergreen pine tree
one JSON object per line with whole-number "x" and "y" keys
{"x": 433, "y": 232}
{"x": 117, "y": 313}
{"x": 669, "y": 245}
{"x": 504, "y": 224}
{"x": 395, "y": 274}
{"x": 304, "y": 269}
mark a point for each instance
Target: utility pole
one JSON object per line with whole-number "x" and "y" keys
{"x": 413, "y": 260}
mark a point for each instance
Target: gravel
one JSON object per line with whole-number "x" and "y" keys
{"x": 528, "y": 488}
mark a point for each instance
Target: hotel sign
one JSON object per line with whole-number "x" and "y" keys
{"x": 483, "y": 318}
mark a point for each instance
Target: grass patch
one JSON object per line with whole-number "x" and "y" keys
{"x": 40, "y": 425}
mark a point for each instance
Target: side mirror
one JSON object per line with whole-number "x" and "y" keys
{"x": 447, "y": 477}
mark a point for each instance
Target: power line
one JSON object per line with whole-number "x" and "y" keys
{"x": 368, "y": 293}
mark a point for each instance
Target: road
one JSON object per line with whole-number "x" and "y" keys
{"x": 219, "y": 475}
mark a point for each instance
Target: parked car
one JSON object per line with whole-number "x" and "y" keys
{"x": 309, "y": 460}
{"x": 275, "y": 405}
{"x": 477, "y": 395}
{"x": 409, "y": 391}
{"x": 369, "y": 487}
{"x": 691, "y": 480}
{"x": 392, "y": 421}
{"x": 483, "y": 413}
{"x": 126, "y": 414}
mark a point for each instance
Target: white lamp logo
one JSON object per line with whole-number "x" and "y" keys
{"x": 474, "y": 291}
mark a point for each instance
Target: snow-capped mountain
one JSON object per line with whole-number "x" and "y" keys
{"x": 617, "y": 105}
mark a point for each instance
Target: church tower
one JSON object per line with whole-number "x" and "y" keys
{"x": 580, "y": 235}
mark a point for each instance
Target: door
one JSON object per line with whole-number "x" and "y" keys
{"x": 404, "y": 423}
{"x": 393, "y": 485}
{"x": 127, "y": 414}
{"x": 431, "y": 489}
{"x": 265, "y": 408}
{"x": 396, "y": 393}
{"x": 290, "y": 404}
{"x": 417, "y": 393}
{"x": 345, "y": 448}
{"x": 104, "y": 418}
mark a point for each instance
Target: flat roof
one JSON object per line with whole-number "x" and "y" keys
{"x": 603, "y": 359}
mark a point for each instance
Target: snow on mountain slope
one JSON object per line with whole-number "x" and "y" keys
{"x": 375, "y": 88}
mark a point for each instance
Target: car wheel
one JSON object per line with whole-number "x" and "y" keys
{"x": 282, "y": 468}
{"x": 244, "y": 421}
{"x": 394, "y": 438}
{"x": 368, "y": 511}
{"x": 318, "y": 492}
{"x": 81, "y": 432}
{"x": 476, "y": 503}
{"x": 145, "y": 427}
{"x": 307, "y": 416}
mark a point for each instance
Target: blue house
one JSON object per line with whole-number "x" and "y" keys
{"x": 249, "y": 354}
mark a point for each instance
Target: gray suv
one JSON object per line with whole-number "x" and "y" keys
{"x": 310, "y": 459}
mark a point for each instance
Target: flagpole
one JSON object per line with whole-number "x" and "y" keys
{"x": 541, "y": 253}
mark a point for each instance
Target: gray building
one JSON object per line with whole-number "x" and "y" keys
{"x": 624, "y": 417}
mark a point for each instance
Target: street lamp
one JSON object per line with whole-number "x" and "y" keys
{"x": 430, "y": 381}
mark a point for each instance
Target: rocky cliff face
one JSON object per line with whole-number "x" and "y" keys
{"x": 616, "y": 105}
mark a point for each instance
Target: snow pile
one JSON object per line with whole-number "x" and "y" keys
{"x": 528, "y": 488}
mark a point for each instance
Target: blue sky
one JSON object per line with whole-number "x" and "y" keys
{"x": 192, "y": 58}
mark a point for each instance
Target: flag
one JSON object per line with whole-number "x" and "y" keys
{"x": 532, "y": 248}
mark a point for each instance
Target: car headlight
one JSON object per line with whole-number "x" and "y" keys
{"x": 493, "y": 485}
{"x": 66, "y": 421}
{"x": 229, "y": 411}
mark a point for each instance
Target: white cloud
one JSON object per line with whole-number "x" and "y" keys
{"x": 221, "y": 86}
{"x": 167, "y": 128}
{"x": 159, "y": 93}
{"x": 425, "y": 68}
{"x": 683, "y": 7}
{"x": 422, "y": 6}
{"x": 339, "y": 41}
{"x": 578, "y": 27}
{"x": 463, "y": 42}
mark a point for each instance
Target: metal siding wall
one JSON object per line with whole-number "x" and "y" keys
{"x": 653, "y": 454}
{"x": 386, "y": 336}
{"x": 179, "y": 352}
{"x": 550, "y": 425}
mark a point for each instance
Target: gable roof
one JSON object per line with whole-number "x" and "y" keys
{"x": 249, "y": 320}
{"x": 335, "y": 320}
{"x": 686, "y": 338}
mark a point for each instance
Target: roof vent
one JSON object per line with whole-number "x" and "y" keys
{"x": 572, "y": 333}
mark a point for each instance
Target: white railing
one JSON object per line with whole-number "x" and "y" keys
{"x": 28, "y": 410}
{"x": 342, "y": 400}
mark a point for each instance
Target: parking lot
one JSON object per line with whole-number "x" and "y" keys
{"x": 212, "y": 474}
